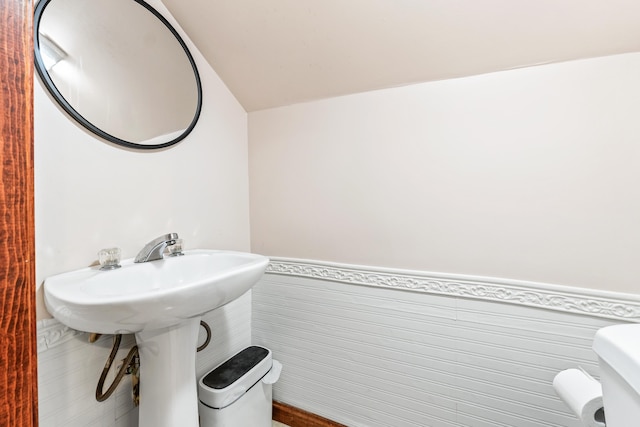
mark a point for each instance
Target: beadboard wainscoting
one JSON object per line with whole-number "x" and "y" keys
{"x": 375, "y": 347}
{"x": 69, "y": 368}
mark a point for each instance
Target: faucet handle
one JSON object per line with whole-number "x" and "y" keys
{"x": 177, "y": 248}
{"x": 109, "y": 258}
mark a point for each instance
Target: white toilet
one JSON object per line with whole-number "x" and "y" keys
{"x": 618, "y": 350}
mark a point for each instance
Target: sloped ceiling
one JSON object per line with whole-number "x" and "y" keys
{"x": 277, "y": 52}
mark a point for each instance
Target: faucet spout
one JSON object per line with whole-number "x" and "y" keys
{"x": 154, "y": 249}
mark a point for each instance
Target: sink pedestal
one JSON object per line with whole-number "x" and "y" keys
{"x": 168, "y": 386}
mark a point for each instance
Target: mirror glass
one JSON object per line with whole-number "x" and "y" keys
{"x": 119, "y": 69}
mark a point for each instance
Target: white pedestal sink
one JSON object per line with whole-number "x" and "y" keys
{"x": 161, "y": 302}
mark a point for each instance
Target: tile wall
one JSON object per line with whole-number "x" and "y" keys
{"x": 378, "y": 349}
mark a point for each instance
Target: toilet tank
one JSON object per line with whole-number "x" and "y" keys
{"x": 618, "y": 350}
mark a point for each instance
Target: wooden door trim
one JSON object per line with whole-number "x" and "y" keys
{"x": 18, "y": 372}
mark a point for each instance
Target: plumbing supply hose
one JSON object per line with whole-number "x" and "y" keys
{"x": 100, "y": 396}
{"x": 133, "y": 353}
{"x": 208, "y": 339}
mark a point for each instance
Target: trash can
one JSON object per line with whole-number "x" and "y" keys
{"x": 237, "y": 393}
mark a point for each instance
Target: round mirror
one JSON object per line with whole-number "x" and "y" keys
{"x": 118, "y": 68}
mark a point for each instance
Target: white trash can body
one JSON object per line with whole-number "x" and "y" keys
{"x": 238, "y": 392}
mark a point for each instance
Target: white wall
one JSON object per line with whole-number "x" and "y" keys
{"x": 529, "y": 174}
{"x": 92, "y": 195}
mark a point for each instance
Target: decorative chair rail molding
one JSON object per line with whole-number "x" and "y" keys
{"x": 52, "y": 333}
{"x": 610, "y": 305}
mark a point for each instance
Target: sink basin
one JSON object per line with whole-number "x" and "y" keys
{"x": 151, "y": 295}
{"x": 161, "y": 302}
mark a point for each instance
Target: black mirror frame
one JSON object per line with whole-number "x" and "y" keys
{"x": 53, "y": 90}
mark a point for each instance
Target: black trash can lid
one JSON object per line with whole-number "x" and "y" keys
{"x": 228, "y": 381}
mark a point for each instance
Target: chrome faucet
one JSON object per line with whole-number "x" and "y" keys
{"x": 154, "y": 249}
